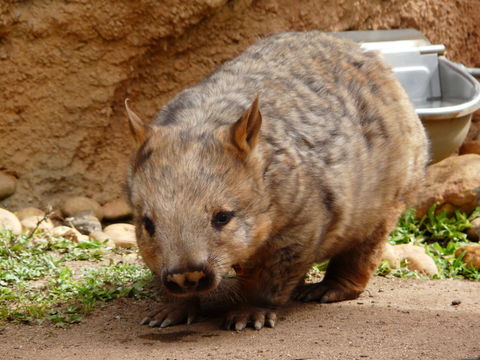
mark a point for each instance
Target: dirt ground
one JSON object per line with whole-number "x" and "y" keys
{"x": 394, "y": 319}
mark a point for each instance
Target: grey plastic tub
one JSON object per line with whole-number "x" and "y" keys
{"x": 444, "y": 94}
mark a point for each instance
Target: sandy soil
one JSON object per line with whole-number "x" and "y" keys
{"x": 394, "y": 319}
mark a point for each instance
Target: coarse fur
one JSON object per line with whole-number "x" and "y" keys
{"x": 306, "y": 145}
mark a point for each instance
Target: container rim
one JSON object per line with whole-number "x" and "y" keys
{"x": 448, "y": 112}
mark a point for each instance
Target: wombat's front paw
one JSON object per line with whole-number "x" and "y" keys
{"x": 324, "y": 292}
{"x": 172, "y": 314}
{"x": 256, "y": 317}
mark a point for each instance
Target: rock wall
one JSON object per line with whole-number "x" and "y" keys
{"x": 67, "y": 66}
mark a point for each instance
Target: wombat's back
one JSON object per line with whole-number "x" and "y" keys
{"x": 332, "y": 112}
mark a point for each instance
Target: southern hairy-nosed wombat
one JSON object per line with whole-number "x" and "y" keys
{"x": 302, "y": 149}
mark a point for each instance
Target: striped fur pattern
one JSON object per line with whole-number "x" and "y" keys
{"x": 320, "y": 168}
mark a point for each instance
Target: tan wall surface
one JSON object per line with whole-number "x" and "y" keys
{"x": 67, "y": 66}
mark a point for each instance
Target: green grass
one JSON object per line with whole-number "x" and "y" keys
{"x": 37, "y": 283}
{"x": 441, "y": 235}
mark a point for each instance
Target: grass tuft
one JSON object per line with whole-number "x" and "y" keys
{"x": 37, "y": 282}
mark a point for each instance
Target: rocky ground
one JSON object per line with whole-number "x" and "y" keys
{"x": 394, "y": 319}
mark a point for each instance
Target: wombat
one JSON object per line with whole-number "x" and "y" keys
{"x": 304, "y": 148}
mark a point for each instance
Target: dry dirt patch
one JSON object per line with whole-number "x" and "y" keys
{"x": 394, "y": 319}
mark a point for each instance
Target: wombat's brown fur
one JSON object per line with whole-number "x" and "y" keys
{"x": 302, "y": 149}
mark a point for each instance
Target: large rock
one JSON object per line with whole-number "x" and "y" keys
{"x": 9, "y": 221}
{"x": 415, "y": 256}
{"x": 8, "y": 185}
{"x": 116, "y": 209}
{"x": 123, "y": 235}
{"x": 454, "y": 181}
{"x": 471, "y": 257}
{"x": 77, "y": 204}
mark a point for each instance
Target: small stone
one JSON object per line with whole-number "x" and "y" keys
{"x": 29, "y": 212}
{"x": 456, "y": 302}
{"x": 131, "y": 259}
{"x": 85, "y": 222}
{"x": 102, "y": 237}
{"x": 8, "y": 185}
{"x": 474, "y": 231}
{"x": 76, "y": 204}
{"x": 415, "y": 256}
{"x": 390, "y": 255}
{"x": 123, "y": 235}
{"x": 471, "y": 257}
{"x": 9, "y": 221}
{"x": 116, "y": 209}
{"x": 31, "y": 223}
{"x": 68, "y": 233}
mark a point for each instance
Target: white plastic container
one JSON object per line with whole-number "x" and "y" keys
{"x": 443, "y": 93}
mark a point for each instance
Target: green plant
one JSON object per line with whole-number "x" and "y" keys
{"x": 441, "y": 235}
{"x": 37, "y": 282}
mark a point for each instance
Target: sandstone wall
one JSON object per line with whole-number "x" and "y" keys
{"x": 67, "y": 66}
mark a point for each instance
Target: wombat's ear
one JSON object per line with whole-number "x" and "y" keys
{"x": 246, "y": 130}
{"x": 138, "y": 128}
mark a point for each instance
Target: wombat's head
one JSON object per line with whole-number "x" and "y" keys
{"x": 199, "y": 199}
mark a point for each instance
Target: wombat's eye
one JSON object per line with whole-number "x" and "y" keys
{"x": 149, "y": 225}
{"x": 222, "y": 218}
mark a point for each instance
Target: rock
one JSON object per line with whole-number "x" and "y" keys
{"x": 446, "y": 208}
{"x": 8, "y": 185}
{"x": 102, "y": 237}
{"x": 68, "y": 233}
{"x": 455, "y": 181}
{"x": 9, "y": 221}
{"x": 85, "y": 222}
{"x": 29, "y": 212}
{"x": 470, "y": 147}
{"x": 116, "y": 209}
{"x": 131, "y": 259}
{"x": 74, "y": 205}
{"x": 474, "y": 231}
{"x": 123, "y": 235}
{"x": 417, "y": 259}
{"x": 31, "y": 222}
{"x": 390, "y": 255}
{"x": 471, "y": 257}
{"x": 56, "y": 216}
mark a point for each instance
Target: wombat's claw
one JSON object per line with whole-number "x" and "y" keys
{"x": 324, "y": 292}
{"x": 255, "y": 317}
{"x": 171, "y": 314}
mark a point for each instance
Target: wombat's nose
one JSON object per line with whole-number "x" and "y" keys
{"x": 188, "y": 281}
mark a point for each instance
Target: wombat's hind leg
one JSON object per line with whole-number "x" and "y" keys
{"x": 348, "y": 272}
{"x": 256, "y": 317}
{"x": 173, "y": 314}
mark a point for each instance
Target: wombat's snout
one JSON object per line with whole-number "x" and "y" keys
{"x": 188, "y": 281}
